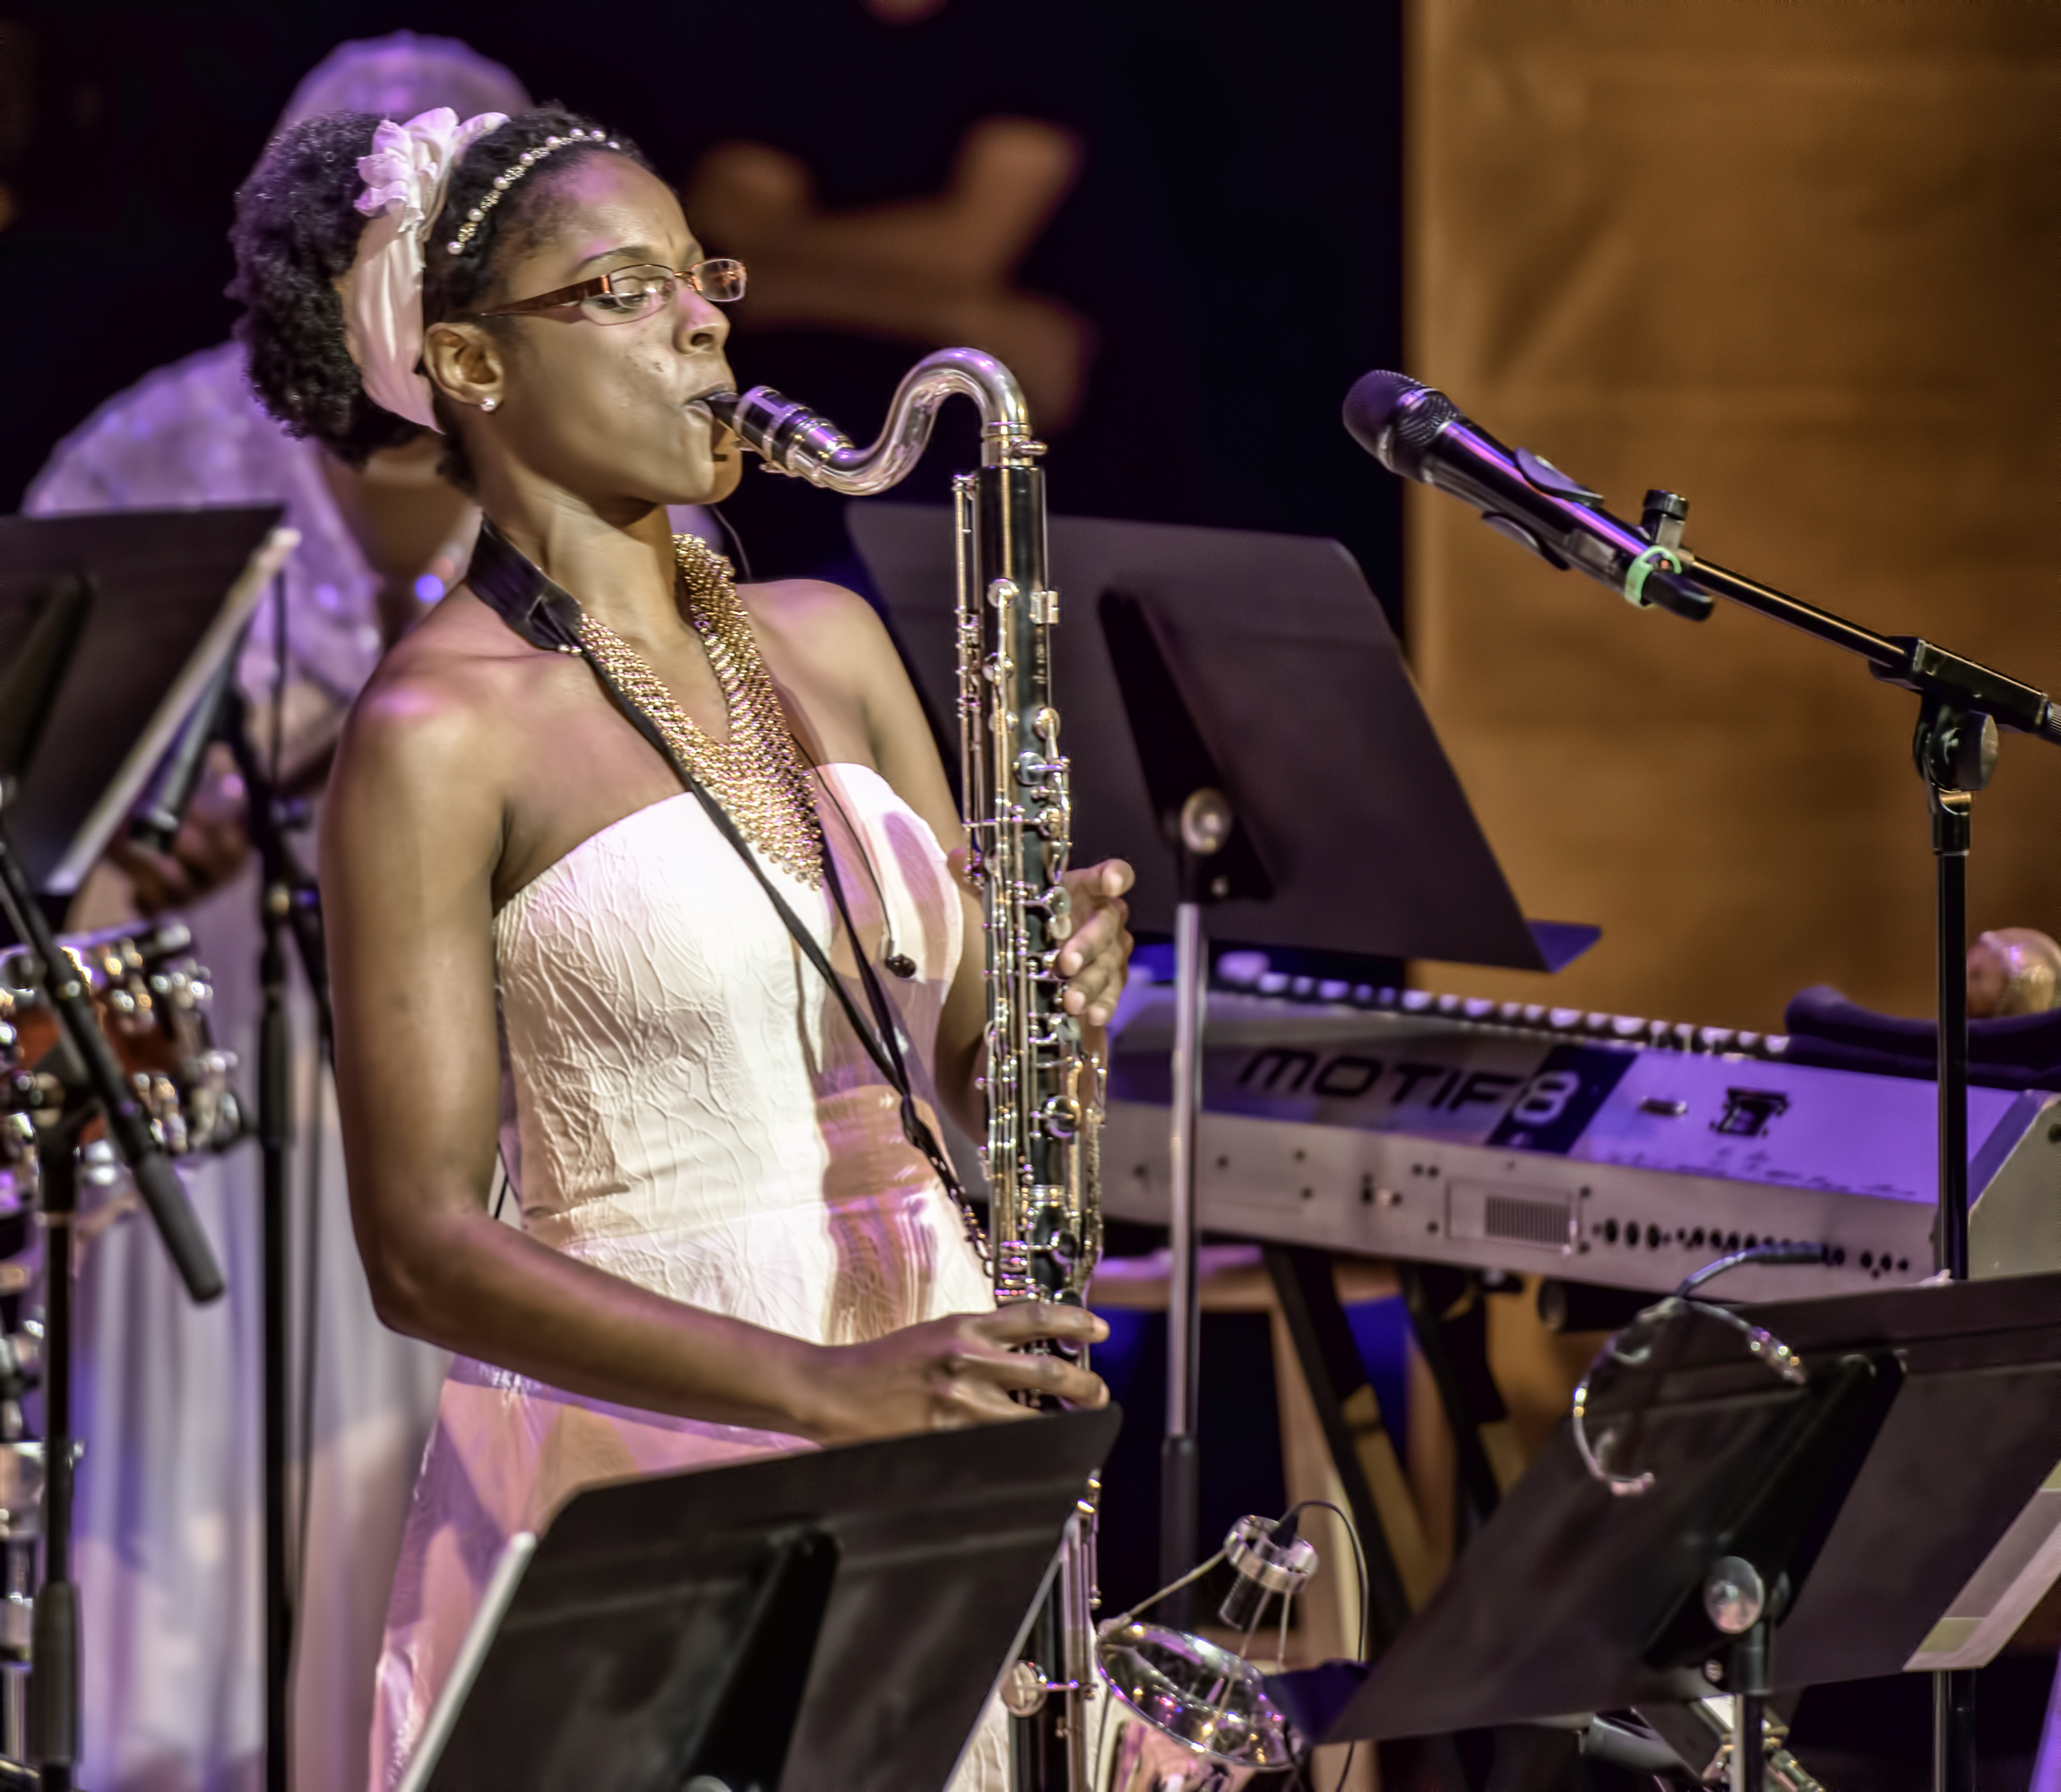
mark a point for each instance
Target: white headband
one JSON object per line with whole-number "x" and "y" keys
{"x": 405, "y": 177}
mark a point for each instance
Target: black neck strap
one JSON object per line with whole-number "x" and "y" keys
{"x": 513, "y": 587}
{"x": 548, "y": 615}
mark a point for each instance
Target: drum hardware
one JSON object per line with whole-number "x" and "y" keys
{"x": 38, "y": 1623}
{"x": 144, "y": 588}
{"x": 21, "y": 1532}
{"x": 151, "y": 1001}
{"x": 1193, "y": 1715}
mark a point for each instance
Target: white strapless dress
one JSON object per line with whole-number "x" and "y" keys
{"x": 693, "y": 1112}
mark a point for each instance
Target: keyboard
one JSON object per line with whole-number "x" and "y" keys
{"x": 1592, "y": 1148}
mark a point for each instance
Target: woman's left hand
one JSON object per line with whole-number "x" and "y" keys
{"x": 1096, "y": 958}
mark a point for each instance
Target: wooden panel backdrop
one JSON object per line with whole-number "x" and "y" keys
{"x": 1802, "y": 263}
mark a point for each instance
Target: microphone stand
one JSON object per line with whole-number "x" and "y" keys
{"x": 1202, "y": 826}
{"x": 289, "y": 903}
{"x": 1180, "y": 1461}
{"x": 1961, "y": 706}
{"x": 1214, "y": 860}
{"x": 91, "y": 1077}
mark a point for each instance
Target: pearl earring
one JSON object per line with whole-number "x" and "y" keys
{"x": 489, "y": 403}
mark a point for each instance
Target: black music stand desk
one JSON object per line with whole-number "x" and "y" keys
{"x": 1252, "y": 679}
{"x": 1262, "y": 661}
{"x": 832, "y": 1619}
{"x": 157, "y": 626}
{"x": 1574, "y": 1600}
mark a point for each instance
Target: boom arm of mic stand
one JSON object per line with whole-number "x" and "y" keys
{"x": 1900, "y": 660}
{"x": 157, "y": 1182}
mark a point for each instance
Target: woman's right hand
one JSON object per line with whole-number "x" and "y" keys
{"x": 956, "y": 1371}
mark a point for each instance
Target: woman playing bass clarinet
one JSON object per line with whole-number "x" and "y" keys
{"x": 733, "y": 1240}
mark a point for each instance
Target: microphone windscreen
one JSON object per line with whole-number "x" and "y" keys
{"x": 1370, "y": 406}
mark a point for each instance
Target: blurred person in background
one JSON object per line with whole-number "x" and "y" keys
{"x": 171, "y": 1516}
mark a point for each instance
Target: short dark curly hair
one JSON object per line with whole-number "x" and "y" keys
{"x": 295, "y": 236}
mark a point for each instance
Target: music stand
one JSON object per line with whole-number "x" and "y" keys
{"x": 835, "y": 1617}
{"x": 1298, "y": 691}
{"x": 1574, "y": 1600}
{"x": 1240, "y": 698}
{"x": 141, "y": 597}
{"x": 157, "y": 626}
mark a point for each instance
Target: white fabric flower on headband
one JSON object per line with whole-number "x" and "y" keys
{"x": 405, "y": 178}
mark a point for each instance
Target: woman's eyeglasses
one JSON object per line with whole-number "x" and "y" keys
{"x": 628, "y": 294}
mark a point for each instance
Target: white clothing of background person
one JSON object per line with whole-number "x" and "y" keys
{"x": 169, "y": 1510}
{"x": 170, "y": 1538}
{"x": 170, "y": 1521}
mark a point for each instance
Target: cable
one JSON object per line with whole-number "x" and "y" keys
{"x": 1783, "y": 1251}
{"x": 1171, "y": 1587}
{"x": 1359, "y": 1563}
{"x": 1358, "y": 1560}
{"x": 278, "y": 676}
{"x": 736, "y": 540}
{"x": 282, "y": 659}
{"x": 311, "y": 1316}
{"x": 899, "y": 962}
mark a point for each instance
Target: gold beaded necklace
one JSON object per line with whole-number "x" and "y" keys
{"x": 758, "y": 774}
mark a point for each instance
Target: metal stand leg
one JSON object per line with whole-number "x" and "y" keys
{"x": 1751, "y": 1682}
{"x": 1953, "y": 1730}
{"x": 290, "y": 907}
{"x": 54, "y": 1677}
{"x": 1951, "y": 832}
{"x": 1955, "y": 750}
{"x": 90, "y": 1075}
{"x": 1465, "y": 1392}
{"x": 21, "y": 1502}
{"x": 275, "y": 1138}
{"x": 14, "y": 1705}
{"x": 1351, "y": 1421}
{"x": 1179, "y": 1464}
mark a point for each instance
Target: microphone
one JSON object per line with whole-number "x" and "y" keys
{"x": 157, "y": 822}
{"x": 1270, "y": 1559}
{"x": 1419, "y": 432}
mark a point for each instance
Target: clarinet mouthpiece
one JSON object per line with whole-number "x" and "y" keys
{"x": 720, "y": 405}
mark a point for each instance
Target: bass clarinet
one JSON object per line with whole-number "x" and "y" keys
{"x": 1043, "y": 1087}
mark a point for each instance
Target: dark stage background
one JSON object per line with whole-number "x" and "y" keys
{"x": 1223, "y": 260}
{"x": 1653, "y": 241}
{"x": 1230, "y": 245}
